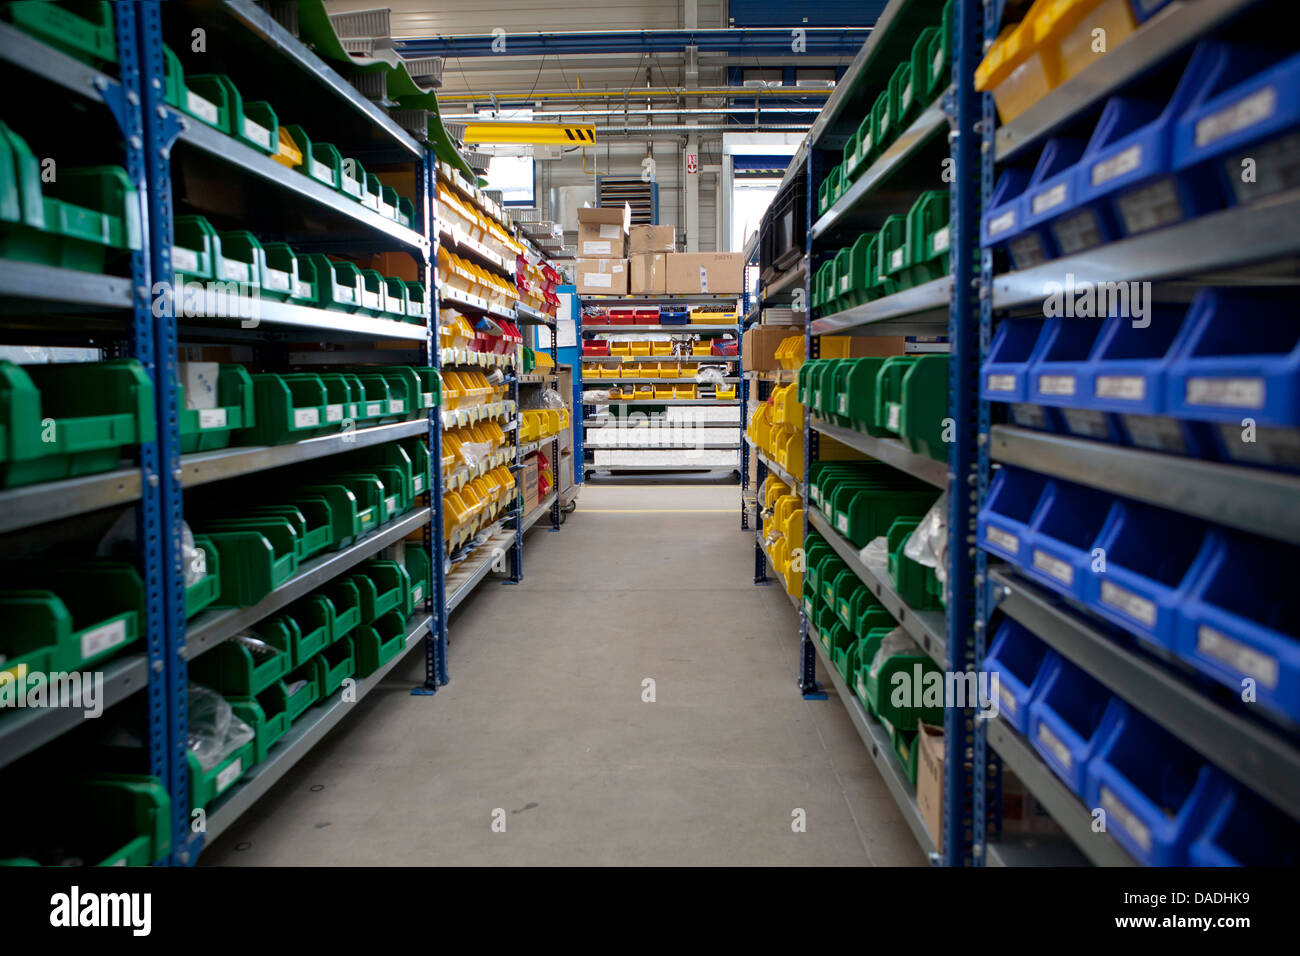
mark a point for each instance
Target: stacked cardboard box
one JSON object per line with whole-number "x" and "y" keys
{"x": 616, "y": 258}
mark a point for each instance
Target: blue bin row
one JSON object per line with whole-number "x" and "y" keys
{"x": 1163, "y": 802}
{"x": 1151, "y": 163}
{"x": 1179, "y": 379}
{"x": 1224, "y": 602}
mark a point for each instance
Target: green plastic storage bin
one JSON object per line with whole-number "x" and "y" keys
{"x": 21, "y": 202}
{"x": 267, "y": 728}
{"x": 911, "y": 580}
{"x": 405, "y": 212}
{"x": 242, "y": 666}
{"x": 257, "y": 555}
{"x": 306, "y": 288}
{"x": 312, "y": 521}
{"x": 420, "y": 571}
{"x": 373, "y": 292}
{"x": 892, "y": 255}
{"x": 283, "y": 633}
{"x": 823, "y": 284}
{"x": 352, "y": 179}
{"x": 279, "y": 277}
{"x": 253, "y": 123}
{"x": 355, "y": 503}
{"x": 843, "y": 276}
{"x": 320, "y": 161}
{"x": 314, "y": 618}
{"x": 196, "y": 248}
{"x": 912, "y": 401}
{"x": 103, "y": 820}
{"x": 394, "y": 298}
{"x": 939, "y": 54}
{"x": 345, "y": 598}
{"x": 337, "y": 283}
{"x": 884, "y": 131}
{"x": 379, "y": 642}
{"x": 83, "y": 29}
{"x": 925, "y": 87}
{"x": 903, "y": 104}
{"x": 896, "y": 703}
{"x": 385, "y": 586}
{"x": 374, "y": 407}
{"x": 241, "y": 260}
{"x": 374, "y": 193}
{"x": 928, "y": 238}
{"x": 65, "y": 420}
{"x": 207, "y": 590}
{"x": 333, "y": 666}
{"x": 289, "y": 407}
{"x": 858, "y": 398}
{"x": 207, "y": 786}
{"x": 417, "y": 302}
{"x": 205, "y": 429}
{"x": 393, "y": 499}
{"x": 294, "y": 695}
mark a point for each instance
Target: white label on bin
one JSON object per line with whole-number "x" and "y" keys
{"x": 1135, "y": 827}
{"x": 1138, "y": 608}
{"x": 842, "y": 522}
{"x": 593, "y": 248}
{"x": 1055, "y": 746}
{"x": 370, "y": 300}
{"x": 896, "y": 258}
{"x": 1237, "y": 655}
{"x": 1056, "y": 384}
{"x": 844, "y": 404}
{"x": 937, "y": 66}
{"x": 396, "y": 405}
{"x": 1054, "y": 567}
{"x": 1008, "y": 699}
{"x": 205, "y": 110}
{"x": 334, "y": 413}
{"x": 939, "y": 243}
{"x": 374, "y": 408}
{"x": 275, "y": 279}
{"x": 609, "y": 230}
{"x": 1117, "y": 165}
{"x": 234, "y": 271}
{"x": 418, "y": 484}
{"x": 322, "y": 172}
{"x": 598, "y": 280}
{"x": 230, "y": 774}
{"x": 302, "y": 290}
{"x": 1051, "y": 198}
{"x": 905, "y": 98}
{"x": 417, "y": 594}
{"x": 185, "y": 260}
{"x": 104, "y": 638}
{"x": 1156, "y": 432}
{"x": 428, "y": 399}
{"x": 391, "y": 504}
{"x": 351, "y": 187}
{"x": 212, "y": 418}
{"x": 894, "y": 411}
{"x": 1131, "y": 387}
{"x": 306, "y": 417}
{"x": 258, "y": 134}
{"x": 345, "y": 293}
{"x": 1002, "y": 223}
{"x": 844, "y": 283}
{"x": 1004, "y": 540}
{"x": 1245, "y": 112}
{"x": 1087, "y": 422}
{"x": 1232, "y": 392}
{"x": 1002, "y": 383}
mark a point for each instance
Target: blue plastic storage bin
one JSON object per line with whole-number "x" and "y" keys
{"x": 1149, "y": 555}
{"x": 1063, "y": 534}
{"x": 1068, "y": 718}
{"x": 1158, "y": 794}
{"x": 1241, "y": 619}
{"x": 1127, "y": 181}
{"x": 1244, "y": 830}
{"x": 1126, "y": 371}
{"x": 1004, "y": 220}
{"x": 1219, "y": 374}
{"x": 1002, "y": 525}
{"x": 1052, "y": 191}
{"x": 1005, "y": 375}
{"x": 1257, "y": 117}
{"x": 1021, "y": 661}
{"x": 674, "y": 315}
{"x": 1056, "y": 376}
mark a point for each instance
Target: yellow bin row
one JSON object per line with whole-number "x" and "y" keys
{"x": 535, "y": 423}
{"x": 474, "y": 280}
{"x": 468, "y": 509}
{"x": 454, "y": 452}
{"x": 654, "y": 393}
{"x": 789, "y": 354}
{"x": 469, "y": 388}
{"x": 783, "y": 532}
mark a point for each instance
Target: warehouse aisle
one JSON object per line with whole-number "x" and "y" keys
{"x": 545, "y": 723}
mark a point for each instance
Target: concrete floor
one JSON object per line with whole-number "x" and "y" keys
{"x": 544, "y": 721}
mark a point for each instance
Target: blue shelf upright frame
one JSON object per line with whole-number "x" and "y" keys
{"x": 435, "y": 642}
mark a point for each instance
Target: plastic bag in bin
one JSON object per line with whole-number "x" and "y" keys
{"x": 214, "y": 730}
{"x": 928, "y": 543}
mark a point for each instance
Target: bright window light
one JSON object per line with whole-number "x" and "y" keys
{"x": 513, "y": 175}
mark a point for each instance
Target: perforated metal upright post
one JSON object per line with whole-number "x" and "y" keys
{"x": 161, "y": 505}
{"x": 555, "y": 442}
{"x": 812, "y": 349}
{"x": 435, "y": 643}
{"x": 517, "y": 550}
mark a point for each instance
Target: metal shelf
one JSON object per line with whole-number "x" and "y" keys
{"x": 527, "y": 315}
{"x": 785, "y": 284}
{"x": 1036, "y": 849}
{"x": 41, "y": 285}
{"x": 472, "y": 414}
{"x": 593, "y": 467}
{"x": 212, "y": 627}
{"x": 1253, "y": 752}
{"x": 544, "y": 506}
{"x": 205, "y": 466}
{"x": 474, "y": 249}
{"x": 920, "y": 310}
{"x": 1199, "y": 250}
{"x": 26, "y": 729}
{"x": 465, "y": 576}
{"x": 31, "y": 505}
{"x": 254, "y": 313}
{"x": 898, "y": 158}
{"x": 26, "y": 51}
{"x": 774, "y": 468}
{"x": 682, "y": 329}
{"x": 705, "y": 446}
{"x": 1171, "y": 30}
{"x": 534, "y": 379}
{"x": 305, "y": 734}
{"x": 882, "y": 752}
{"x": 1065, "y": 808}
{"x": 652, "y": 381}
{"x": 927, "y": 628}
{"x": 889, "y": 450}
{"x": 1252, "y": 499}
{"x": 461, "y": 299}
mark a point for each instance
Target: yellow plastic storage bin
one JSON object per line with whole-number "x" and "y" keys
{"x": 663, "y": 391}
{"x": 1064, "y": 34}
{"x": 684, "y": 392}
{"x": 669, "y": 370}
{"x": 725, "y": 392}
{"x": 640, "y": 348}
{"x": 661, "y": 348}
{"x": 790, "y": 352}
{"x": 786, "y": 407}
{"x": 1013, "y": 71}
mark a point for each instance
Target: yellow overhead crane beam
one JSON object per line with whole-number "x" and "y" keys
{"x": 505, "y": 132}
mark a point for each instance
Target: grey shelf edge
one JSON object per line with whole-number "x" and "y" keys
{"x": 480, "y": 570}
{"x": 923, "y": 307}
{"x": 31, "y": 505}
{"x": 231, "y": 151}
{"x": 1252, "y": 499}
{"x": 26, "y": 51}
{"x": 683, "y": 329}
{"x": 708, "y": 446}
{"x": 25, "y": 730}
{"x": 1197, "y": 249}
{"x": 542, "y": 507}
{"x": 288, "y": 46}
{"x": 1033, "y": 849}
{"x": 252, "y": 313}
{"x": 1170, "y": 30}
{"x": 527, "y": 315}
{"x": 37, "y": 282}
{"x": 889, "y": 450}
{"x": 1254, "y": 753}
{"x": 1065, "y": 808}
{"x": 882, "y": 752}
{"x": 927, "y": 628}
{"x": 202, "y": 467}
{"x": 786, "y": 282}
{"x": 733, "y": 380}
{"x": 310, "y": 729}
{"x": 909, "y": 141}
{"x": 212, "y": 627}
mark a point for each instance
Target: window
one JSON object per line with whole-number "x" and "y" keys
{"x": 513, "y": 174}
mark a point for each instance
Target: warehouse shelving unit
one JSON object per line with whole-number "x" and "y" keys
{"x": 1249, "y": 244}
{"x": 590, "y": 413}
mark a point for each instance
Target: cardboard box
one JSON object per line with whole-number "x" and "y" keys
{"x": 528, "y": 484}
{"x": 601, "y": 276}
{"x": 602, "y": 233}
{"x": 646, "y": 239}
{"x": 758, "y": 347}
{"x": 693, "y": 273}
{"x": 648, "y": 274}
{"x": 929, "y": 780}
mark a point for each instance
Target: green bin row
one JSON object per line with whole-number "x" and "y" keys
{"x": 898, "y": 395}
{"x": 83, "y": 219}
{"x": 213, "y": 98}
{"x": 909, "y": 250}
{"x": 862, "y": 499}
{"x": 84, "y": 29}
{"x": 272, "y": 270}
{"x": 913, "y": 85}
